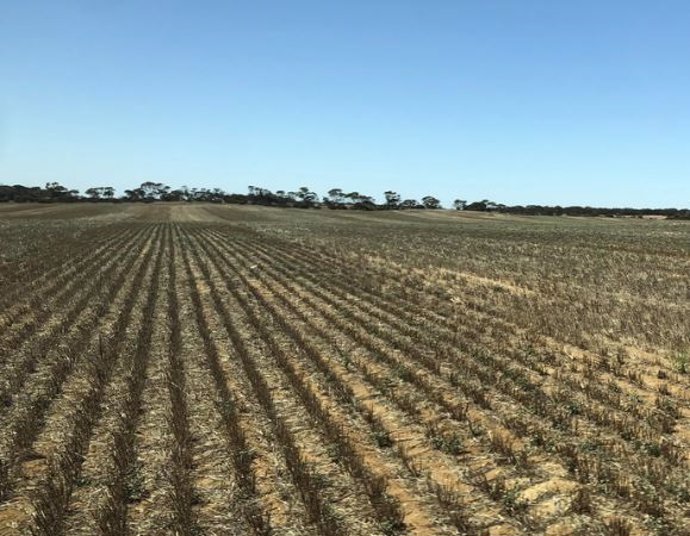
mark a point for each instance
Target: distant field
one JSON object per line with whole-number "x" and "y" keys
{"x": 221, "y": 370}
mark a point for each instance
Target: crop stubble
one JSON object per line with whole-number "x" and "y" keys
{"x": 221, "y": 370}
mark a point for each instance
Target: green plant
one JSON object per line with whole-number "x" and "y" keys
{"x": 681, "y": 362}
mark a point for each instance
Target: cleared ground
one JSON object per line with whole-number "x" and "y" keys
{"x": 191, "y": 369}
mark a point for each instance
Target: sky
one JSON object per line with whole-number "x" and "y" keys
{"x": 518, "y": 101}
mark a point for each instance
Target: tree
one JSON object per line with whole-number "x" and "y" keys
{"x": 217, "y": 195}
{"x": 336, "y": 196}
{"x": 392, "y": 199}
{"x": 100, "y": 192}
{"x": 135, "y": 194}
{"x": 93, "y": 193}
{"x": 174, "y": 195}
{"x": 410, "y": 203}
{"x": 306, "y": 197}
{"x": 57, "y": 192}
{"x": 459, "y": 204}
{"x": 482, "y": 206}
{"x": 429, "y": 201}
{"x": 153, "y": 190}
{"x": 108, "y": 192}
{"x": 363, "y": 202}
{"x": 352, "y": 196}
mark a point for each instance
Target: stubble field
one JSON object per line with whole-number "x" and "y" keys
{"x": 217, "y": 370}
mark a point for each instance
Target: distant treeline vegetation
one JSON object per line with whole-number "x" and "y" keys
{"x": 336, "y": 199}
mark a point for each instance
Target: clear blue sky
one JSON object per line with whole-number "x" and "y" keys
{"x": 520, "y": 101}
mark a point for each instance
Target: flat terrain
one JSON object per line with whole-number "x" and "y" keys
{"x": 219, "y": 370}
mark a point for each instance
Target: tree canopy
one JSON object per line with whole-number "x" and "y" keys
{"x": 303, "y": 197}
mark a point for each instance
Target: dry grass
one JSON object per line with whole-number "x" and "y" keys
{"x": 233, "y": 370}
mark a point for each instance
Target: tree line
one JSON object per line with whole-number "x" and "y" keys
{"x": 304, "y": 197}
